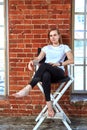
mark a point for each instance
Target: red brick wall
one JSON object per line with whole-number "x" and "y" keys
{"x": 29, "y": 22}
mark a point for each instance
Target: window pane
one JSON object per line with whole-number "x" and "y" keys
{"x": 2, "y": 83}
{"x": 78, "y": 52}
{"x": 2, "y": 37}
{"x": 86, "y": 5}
{"x": 79, "y": 5}
{"x": 2, "y": 60}
{"x": 2, "y": 49}
{"x": 86, "y": 77}
{"x": 86, "y": 26}
{"x": 1, "y": 0}
{"x": 2, "y": 72}
{"x": 78, "y": 75}
{"x": 79, "y": 27}
{"x": 86, "y": 52}
{"x": 1, "y": 15}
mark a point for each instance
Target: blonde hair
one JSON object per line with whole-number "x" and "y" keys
{"x": 60, "y": 37}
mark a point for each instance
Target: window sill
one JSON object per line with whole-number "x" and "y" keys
{"x": 79, "y": 99}
{"x": 2, "y": 97}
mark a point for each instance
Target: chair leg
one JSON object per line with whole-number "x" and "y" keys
{"x": 39, "y": 123}
{"x": 59, "y": 109}
{"x": 64, "y": 118}
{"x": 41, "y": 113}
{"x": 55, "y": 98}
{"x": 66, "y": 124}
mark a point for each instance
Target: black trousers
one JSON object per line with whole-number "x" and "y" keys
{"x": 47, "y": 74}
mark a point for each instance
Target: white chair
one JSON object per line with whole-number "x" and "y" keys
{"x": 59, "y": 113}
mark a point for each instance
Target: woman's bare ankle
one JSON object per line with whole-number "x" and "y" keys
{"x": 50, "y": 109}
{"x": 28, "y": 87}
{"x": 23, "y": 92}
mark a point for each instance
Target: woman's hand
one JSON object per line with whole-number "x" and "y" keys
{"x": 35, "y": 61}
{"x": 30, "y": 65}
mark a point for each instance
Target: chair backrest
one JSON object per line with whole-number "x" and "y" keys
{"x": 43, "y": 60}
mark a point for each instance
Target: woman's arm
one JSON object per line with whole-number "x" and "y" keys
{"x": 36, "y": 60}
{"x": 39, "y": 57}
{"x": 69, "y": 60}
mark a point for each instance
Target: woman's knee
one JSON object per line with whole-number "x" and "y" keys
{"x": 44, "y": 65}
{"x": 46, "y": 76}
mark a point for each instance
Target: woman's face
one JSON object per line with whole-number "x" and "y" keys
{"x": 54, "y": 37}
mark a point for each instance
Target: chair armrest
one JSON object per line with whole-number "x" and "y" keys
{"x": 70, "y": 69}
{"x": 36, "y": 65}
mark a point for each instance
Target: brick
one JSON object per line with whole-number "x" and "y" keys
{"x": 39, "y": 21}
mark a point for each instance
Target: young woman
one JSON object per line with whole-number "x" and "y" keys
{"x": 53, "y": 68}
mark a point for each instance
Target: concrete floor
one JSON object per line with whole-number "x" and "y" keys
{"x": 28, "y": 122}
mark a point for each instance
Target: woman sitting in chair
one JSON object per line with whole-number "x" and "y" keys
{"x": 51, "y": 70}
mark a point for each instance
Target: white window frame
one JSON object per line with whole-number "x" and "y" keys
{"x": 6, "y": 50}
{"x": 84, "y": 65}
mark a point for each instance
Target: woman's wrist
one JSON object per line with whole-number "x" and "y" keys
{"x": 60, "y": 63}
{"x": 35, "y": 62}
